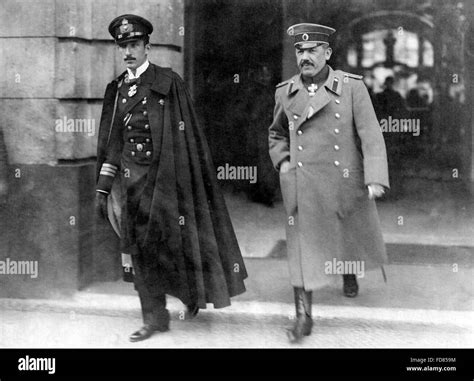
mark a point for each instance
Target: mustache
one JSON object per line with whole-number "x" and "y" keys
{"x": 305, "y": 62}
{"x": 129, "y": 58}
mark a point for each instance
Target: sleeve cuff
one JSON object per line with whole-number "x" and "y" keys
{"x": 106, "y": 178}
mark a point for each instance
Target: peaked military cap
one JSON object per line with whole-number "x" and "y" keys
{"x": 128, "y": 27}
{"x": 310, "y": 35}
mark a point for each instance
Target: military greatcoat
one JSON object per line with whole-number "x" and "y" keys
{"x": 335, "y": 147}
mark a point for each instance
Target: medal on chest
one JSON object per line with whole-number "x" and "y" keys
{"x": 312, "y": 89}
{"x": 132, "y": 90}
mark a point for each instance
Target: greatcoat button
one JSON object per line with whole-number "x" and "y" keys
{"x": 336, "y": 147}
{"x": 148, "y": 153}
{"x": 124, "y": 100}
{"x": 139, "y": 147}
{"x": 144, "y": 101}
{"x": 145, "y": 113}
{"x": 147, "y": 126}
{"x": 336, "y": 163}
{"x": 133, "y": 153}
{"x": 338, "y": 101}
{"x": 300, "y": 164}
{"x": 337, "y": 115}
{"x": 129, "y": 128}
{"x": 300, "y": 132}
{"x": 161, "y": 102}
{"x": 336, "y": 130}
{"x": 295, "y": 117}
{"x": 132, "y": 140}
{"x": 300, "y": 148}
{"x": 147, "y": 140}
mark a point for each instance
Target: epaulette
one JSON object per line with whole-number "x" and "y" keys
{"x": 355, "y": 76}
{"x": 283, "y": 83}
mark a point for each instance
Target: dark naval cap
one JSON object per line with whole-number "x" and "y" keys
{"x": 310, "y": 35}
{"x": 127, "y": 28}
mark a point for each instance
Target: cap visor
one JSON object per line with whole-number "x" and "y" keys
{"x": 309, "y": 45}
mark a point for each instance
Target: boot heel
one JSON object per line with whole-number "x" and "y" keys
{"x": 304, "y": 322}
{"x": 307, "y": 330}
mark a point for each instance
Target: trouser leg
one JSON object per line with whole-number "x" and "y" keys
{"x": 154, "y": 310}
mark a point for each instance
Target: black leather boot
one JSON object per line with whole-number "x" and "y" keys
{"x": 351, "y": 288}
{"x": 304, "y": 321}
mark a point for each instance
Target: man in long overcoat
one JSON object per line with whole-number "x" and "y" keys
{"x": 173, "y": 221}
{"x": 328, "y": 147}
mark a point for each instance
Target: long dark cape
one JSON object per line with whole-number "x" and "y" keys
{"x": 189, "y": 245}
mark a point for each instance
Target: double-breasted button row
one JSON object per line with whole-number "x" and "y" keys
{"x": 140, "y": 149}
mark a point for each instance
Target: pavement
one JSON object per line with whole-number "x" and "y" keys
{"x": 427, "y": 301}
{"x": 419, "y": 307}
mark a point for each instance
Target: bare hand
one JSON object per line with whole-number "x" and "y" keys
{"x": 375, "y": 190}
{"x": 285, "y": 167}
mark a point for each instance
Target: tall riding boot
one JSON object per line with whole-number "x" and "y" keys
{"x": 351, "y": 288}
{"x": 304, "y": 322}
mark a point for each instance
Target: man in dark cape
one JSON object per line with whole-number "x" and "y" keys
{"x": 174, "y": 221}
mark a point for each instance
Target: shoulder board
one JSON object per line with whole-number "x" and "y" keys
{"x": 283, "y": 83}
{"x": 355, "y": 76}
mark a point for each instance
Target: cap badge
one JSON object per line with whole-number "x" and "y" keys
{"x": 305, "y": 37}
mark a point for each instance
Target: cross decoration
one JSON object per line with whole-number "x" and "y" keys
{"x": 312, "y": 89}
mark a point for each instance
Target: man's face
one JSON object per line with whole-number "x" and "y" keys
{"x": 312, "y": 60}
{"x": 134, "y": 53}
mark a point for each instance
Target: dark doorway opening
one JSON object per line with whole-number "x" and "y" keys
{"x": 234, "y": 61}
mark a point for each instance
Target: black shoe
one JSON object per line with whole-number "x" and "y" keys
{"x": 193, "y": 310}
{"x": 304, "y": 321}
{"x": 351, "y": 288}
{"x": 146, "y": 331}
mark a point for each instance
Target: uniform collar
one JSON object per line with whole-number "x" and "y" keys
{"x": 140, "y": 70}
{"x": 332, "y": 83}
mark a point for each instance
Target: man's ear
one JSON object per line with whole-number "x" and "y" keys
{"x": 328, "y": 53}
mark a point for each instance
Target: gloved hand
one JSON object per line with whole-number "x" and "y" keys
{"x": 101, "y": 205}
{"x": 3, "y": 192}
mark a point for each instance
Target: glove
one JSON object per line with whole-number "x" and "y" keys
{"x": 101, "y": 205}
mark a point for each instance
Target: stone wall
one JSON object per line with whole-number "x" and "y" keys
{"x": 56, "y": 60}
